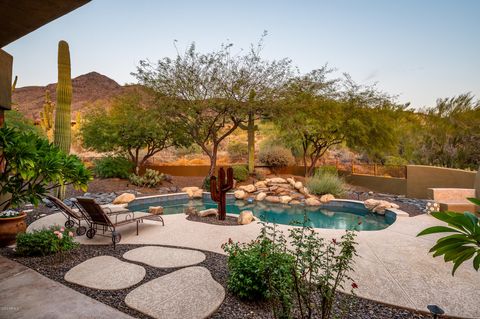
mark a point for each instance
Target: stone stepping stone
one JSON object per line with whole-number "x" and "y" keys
{"x": 188, "y": 293}
{"x": 105, "y": 273}
{"x": 165, "y": 257}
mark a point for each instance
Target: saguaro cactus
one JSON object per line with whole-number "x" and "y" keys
{"x": 46, "y": 116}
{"x": 218, "y": 190}
{"x": 63, "y": 117}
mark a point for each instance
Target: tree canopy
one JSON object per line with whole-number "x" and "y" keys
{"x": 133, "y": 126}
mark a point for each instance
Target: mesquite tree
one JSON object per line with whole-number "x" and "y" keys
{"x": 133, "y": 126}
{"x": 317, "y": 114}
{"x": 214, "y": 92}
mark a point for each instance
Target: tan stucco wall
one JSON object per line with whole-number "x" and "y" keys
{"x": 390, "y": 185}
{"x": 420, "y": 178}
{"x": 6, "y": 62}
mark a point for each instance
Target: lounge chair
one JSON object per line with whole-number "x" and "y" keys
{"x": 97, "y": 216}
{"x": 73, "y": 215}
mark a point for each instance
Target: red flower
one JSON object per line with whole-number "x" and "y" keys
{"x": 354, "y": 285}
{"x": 359, "y": 222}
{"x": 230, "y": 241}
{"x": 334, "y": 241}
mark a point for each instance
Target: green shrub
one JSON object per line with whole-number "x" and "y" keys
{"x": 45, "y": 242}
{"x": 240, "y": 172}
{"x": 327, "y": 169}
{"x": 275, "y": 156}
{"x": 259, "y": 270}
{"x": 325, "y": 183}
{"x": 395, "y": 161}
{"x": 206, "y": 184}
{"x": 151, "y": 178}
{"x": 237, "y": 150}
{"x": 112, "y": 166}
{"x": 190, "y": 150}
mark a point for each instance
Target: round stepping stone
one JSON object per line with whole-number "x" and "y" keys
{"x": 165, "y": 257}
{"x": 188, "y": 293}
{"x": 105, "y": 273}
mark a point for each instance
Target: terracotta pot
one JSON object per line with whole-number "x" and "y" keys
{"x": 10, "y": 227}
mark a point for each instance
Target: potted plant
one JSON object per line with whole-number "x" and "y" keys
{"x": 30, "y": 166}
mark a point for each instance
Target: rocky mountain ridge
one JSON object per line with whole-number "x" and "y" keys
{"x": 87, "y": 88}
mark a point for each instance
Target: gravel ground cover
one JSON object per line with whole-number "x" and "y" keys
{"x": 55, "y": 267}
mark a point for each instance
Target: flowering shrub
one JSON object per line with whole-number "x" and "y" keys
{"x": 45, "y": 242}
{"x": 307, "y": 275}
{"x": 9, "y": 213}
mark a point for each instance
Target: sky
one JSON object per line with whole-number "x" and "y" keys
{"x": 420, "y": 50}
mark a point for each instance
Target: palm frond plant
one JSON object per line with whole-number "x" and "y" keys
{"x": 464, "y": 242}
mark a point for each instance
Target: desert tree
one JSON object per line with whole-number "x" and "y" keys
{"x": 135, "y": 125}
{"x": 319, "y": 113}
{"x": 214, "y": 92}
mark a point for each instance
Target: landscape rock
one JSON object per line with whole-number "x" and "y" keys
{"x": 304, "y": 191}
{"x": 197, "y": 193}
{"x": 208, "y": 212}
{"x": 260, "y": 196}
{"x": 298, "y": 185}
{"x": 276, "y": 180}
{"x": 125, "y": 198}
{"x": 379, "y": 206}
{"x": 245, "y": 217}
{"x": 285, "y": 199}
{"x": 239, "y": 194}
{"x": 260, "y": 184}
{"x": 190, "y": 210}
{"x": 248, "y": 188}
{"x": 291, "y": 181}
{"x": 155, "y": 210}
{"x": 295, "y": 202}
{"x": 326, "y": 198}
{"x": 272, "y": 199}
{"x": 312, "y": 201}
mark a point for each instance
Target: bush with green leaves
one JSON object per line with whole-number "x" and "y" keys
{"x": 262, "y": 269}
{"x": 240, "y": 172}
{"x": 312, "y": 269}
{"x": 237, "y": 150}
{"x": 32, "y": 166}
{"x": 325, "y": 183}
{"x": 151, "y": 178}
{"x": 206, "y": 184}
{"x": 113, "y": 166}
{"x": 275, "y": 156}
{"x": 327, "y": 169}
{"x": 45, "y": 242}
{"x": 464, "y": 242}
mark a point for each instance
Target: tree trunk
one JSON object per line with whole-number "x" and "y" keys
{"x": 213, "y": 161}
{"x": 251, "y": 143}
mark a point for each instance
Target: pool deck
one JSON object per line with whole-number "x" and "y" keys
{"x": 393, "y": 266}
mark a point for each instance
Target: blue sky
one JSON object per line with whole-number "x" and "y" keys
{"x": 418, "y": 49}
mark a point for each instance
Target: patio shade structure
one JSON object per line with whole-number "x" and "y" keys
{"x": 17, "y": 19}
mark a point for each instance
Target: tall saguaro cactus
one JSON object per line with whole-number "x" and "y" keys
{"x": 63, "y": 117}
{"x": 219, "y": 189}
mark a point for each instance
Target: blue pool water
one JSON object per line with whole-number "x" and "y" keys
{"x": 355, "y": 217}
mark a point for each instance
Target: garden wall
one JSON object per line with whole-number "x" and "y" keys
{"x": 420, "y": 178}
{"x": 390, "y": 185}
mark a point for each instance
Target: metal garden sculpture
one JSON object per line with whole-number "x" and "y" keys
{"x": 218, "y": 190}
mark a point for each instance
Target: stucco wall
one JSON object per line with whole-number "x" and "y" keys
{"x": 390, "y": 185}
{"x": 420, "y": 178}
{"x": 6, "y": 61}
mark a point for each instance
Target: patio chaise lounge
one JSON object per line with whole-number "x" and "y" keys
{"x": 74, "y": 215}
{"x": 96, "y": 216}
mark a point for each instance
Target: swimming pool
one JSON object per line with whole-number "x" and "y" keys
{"x": 343, "y": 215}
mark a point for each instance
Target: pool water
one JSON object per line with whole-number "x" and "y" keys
{"x": 358, "y": 218}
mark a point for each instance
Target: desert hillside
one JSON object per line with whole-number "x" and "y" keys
{"x": 87, "y": 88}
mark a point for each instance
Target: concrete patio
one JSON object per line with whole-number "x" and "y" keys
{"x": 394, "y": 266}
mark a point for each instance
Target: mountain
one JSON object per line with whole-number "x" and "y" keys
{"x": 87, "y": 88}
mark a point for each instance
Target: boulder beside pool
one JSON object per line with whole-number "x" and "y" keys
{"x": 124, "y": 198}
{"x": 245, "y": 217}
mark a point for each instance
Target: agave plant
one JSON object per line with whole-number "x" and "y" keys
{"x": 463, "y": 244}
